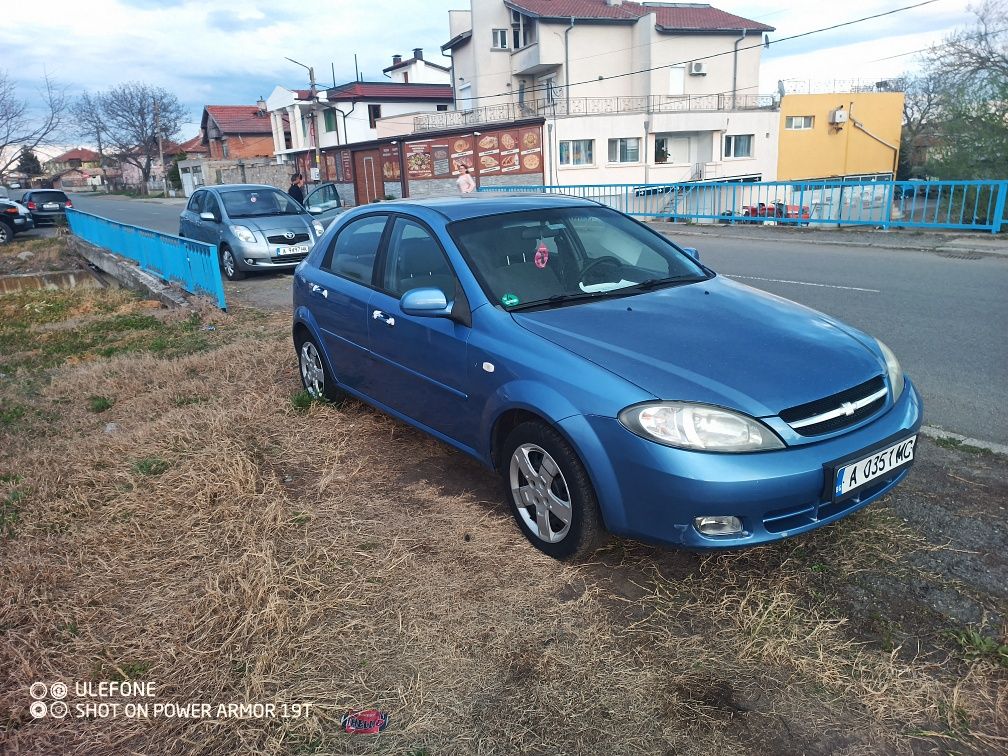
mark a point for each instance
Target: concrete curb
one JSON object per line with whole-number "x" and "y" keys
{"x": 128, "y": 273}
{"x": 51, "y": 279}
{"x": 939, "y": 433}
{"x": 953, "y": 246}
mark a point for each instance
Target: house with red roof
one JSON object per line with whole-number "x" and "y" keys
{"x": 78, "y": 157}
{"x": 350, "y": 112}
{"x": 231, "y": 132}
{"x": 634, "y": 92}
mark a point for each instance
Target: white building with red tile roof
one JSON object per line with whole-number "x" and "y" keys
{"x": 633, "y": 92}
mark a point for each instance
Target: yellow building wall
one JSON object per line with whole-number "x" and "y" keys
{"x": 825, "y": 151}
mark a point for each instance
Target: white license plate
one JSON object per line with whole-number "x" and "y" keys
{"x": 50, "y": 206}
{"x": 868, "y": 469}
{"x": 299, "y": 249}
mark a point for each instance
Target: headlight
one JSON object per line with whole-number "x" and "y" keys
{"x": 698, "y": 426}
{"x": 894, "y": 370}
{"x": 319, "y": 228}
{"x": 243, "y": 233}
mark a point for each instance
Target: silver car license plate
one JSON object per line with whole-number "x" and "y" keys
{"x": 296, "y": 249}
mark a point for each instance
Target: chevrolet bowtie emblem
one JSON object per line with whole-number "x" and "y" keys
{"x": 848, "y": 408}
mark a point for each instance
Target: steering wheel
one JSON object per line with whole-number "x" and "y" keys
{"x": 609, "y": 259}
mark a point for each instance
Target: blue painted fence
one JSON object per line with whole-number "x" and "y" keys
{"x": 968, "y": 205}
{"x": 191, "y": 264}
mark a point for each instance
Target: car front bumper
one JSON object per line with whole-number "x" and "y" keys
{"x": 653, "y": 492}
{"x": 259, "y": 256}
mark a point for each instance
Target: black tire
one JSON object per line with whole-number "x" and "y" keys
{"x": 6, "y": 233}
{"x": 308, "y": 352}
{"x": 585, "y": 531}
{"x": 230, "y": 267}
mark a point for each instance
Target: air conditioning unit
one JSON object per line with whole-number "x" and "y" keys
{"x": 838, "y": 116}
{"x": 698, "y": 68}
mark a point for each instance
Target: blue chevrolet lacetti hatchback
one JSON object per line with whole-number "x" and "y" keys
{"x": 614, "y": 382}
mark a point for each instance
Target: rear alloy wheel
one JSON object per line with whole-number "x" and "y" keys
{"x": 230, "y": 265}
{"x": 6, "y": 233}
{"x": 552, "y": 498}
{"x": 315, "y": 375}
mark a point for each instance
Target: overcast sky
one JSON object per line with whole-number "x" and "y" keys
{"x": 232, "y": 51}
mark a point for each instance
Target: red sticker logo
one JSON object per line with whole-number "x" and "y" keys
{"x": 541, "y": 255}
{"x": 367, "y": 722}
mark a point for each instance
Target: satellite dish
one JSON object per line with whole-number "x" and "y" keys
{"x": 780, "y": 88}
{"x": 766, "y": 41}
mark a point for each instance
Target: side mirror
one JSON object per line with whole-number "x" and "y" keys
{"x": 315, "y": 210}
{"x": 692, "y": 252}
{"x": 425, "y": 303}
{"x": 208, "y": 217}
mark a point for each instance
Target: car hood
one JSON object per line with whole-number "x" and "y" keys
{"x": 717, "y": 342}
{"x": 277, "y": 223}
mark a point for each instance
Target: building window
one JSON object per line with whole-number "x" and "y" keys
{"x": 799, "y": 123}
{"x": 442, "y": 108}
{"x": 330, "y": 120}
{"x": 373, "y": 114}
{"x": 500, "y": 39}
{"x": 577, "y": 152}
{"x": 738, "y": 145}
{"x": 523, "y": 30}
{"x": 624, "y": 150}
{"x": 670, "y": 148}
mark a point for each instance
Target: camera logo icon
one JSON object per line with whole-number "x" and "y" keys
{"x": 38, "y": 690}
{"x": 58, "y": 691}
{"x": 37, "y": 709}
{"x": 58, "y": 709}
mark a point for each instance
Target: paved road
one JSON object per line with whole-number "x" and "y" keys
{"x": 946, "y": 318}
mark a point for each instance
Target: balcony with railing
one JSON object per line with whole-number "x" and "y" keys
{"x": 561, "y": 107}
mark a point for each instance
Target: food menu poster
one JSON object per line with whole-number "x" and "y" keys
{"x": 331, "y": 167}
{"x": 390, "y": 163}
{"x": 345, "y": 159}
{"x": 530, "y": 150}
{"x": 441, "y": 157}
{"x": 419, "y": 163}
{"x": 460, "y": 151}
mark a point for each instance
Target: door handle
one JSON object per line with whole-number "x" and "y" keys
{"x": 316, "y": 289}
{"x": 379, "y": 315}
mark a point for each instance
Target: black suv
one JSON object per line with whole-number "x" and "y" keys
{"x": 13, "y": 220}
{"x": 46, "y": 205}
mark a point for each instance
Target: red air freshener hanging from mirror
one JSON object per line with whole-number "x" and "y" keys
{"x": 541, "y": 255}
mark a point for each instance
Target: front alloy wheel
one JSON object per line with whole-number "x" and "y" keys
{"x": 315, "y": 376}
{"x": 551, "y": 495}
{"x": 230, "y": 265}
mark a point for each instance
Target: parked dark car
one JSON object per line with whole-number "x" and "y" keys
{"x": 14, "y": 219}
{"x": 612, "y": 380}
{"x": 46, "y": 205}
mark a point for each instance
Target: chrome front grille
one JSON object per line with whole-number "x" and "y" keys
{"x": 298, "y": 238}
{"x": 838, "y": 411}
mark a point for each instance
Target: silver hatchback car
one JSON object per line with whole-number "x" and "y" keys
{"x": 255, "y": 227}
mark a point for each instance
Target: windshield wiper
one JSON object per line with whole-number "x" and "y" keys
{"x": 652, "y": 283}
{"x": 557, "y": 299}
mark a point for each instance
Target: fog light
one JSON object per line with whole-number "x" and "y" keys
{"x": 718, "y": 525}
{"x": 250, "y": 261}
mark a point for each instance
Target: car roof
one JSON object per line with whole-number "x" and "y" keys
{"x": 491, "y": 203}
{"x": 221, "y": 187}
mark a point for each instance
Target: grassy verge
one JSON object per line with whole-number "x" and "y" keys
{"x": 185, "y": 516}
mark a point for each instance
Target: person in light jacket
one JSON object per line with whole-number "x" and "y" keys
{"x": 466, "y": 183}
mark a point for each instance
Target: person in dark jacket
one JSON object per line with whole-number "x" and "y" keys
{"x": 297, "y": 187}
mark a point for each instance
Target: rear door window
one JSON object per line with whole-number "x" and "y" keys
{"x": 353, "y": 252}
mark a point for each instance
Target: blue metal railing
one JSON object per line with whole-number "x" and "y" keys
{"x": 968, "y": 205}
{"x": 193, "y": 265}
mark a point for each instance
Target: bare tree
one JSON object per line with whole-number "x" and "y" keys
{"x": 923, "y": 95}
{"x": 132, "y": 116}
{"x": 90, "y": 123}
{"x": 23, "y": 127}
{"x": 977, "y": 55}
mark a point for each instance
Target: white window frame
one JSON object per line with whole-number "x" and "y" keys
{"x": 570, "y": 153}
{"x": 730, "y": 154}
{"x": 500, "y": 35}
{"x": 789, "y": 122}
{"x": 618, "y": 141}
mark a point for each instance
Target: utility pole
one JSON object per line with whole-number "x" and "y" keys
{"x": 160, "y": 147}
{"x": 314, "y": 124}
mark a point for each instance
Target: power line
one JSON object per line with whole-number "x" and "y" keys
{"x": 832, "y": 27}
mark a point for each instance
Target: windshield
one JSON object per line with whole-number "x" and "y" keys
{"x": 555, "y": 256}
{"x": 253, "y": 203}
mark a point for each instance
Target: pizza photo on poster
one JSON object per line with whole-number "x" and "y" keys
{"x": 390, "y": 163}
{"x": 530, "y": 154}
{"x": 509, "y": 152}
{"x": 488, "y": 153}
{"x": 419, "y": 163}
{"x": 441, "y": 159}
{"x": 461, "y": 153}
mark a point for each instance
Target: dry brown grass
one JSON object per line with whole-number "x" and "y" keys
{"x": 336, "y": 557}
